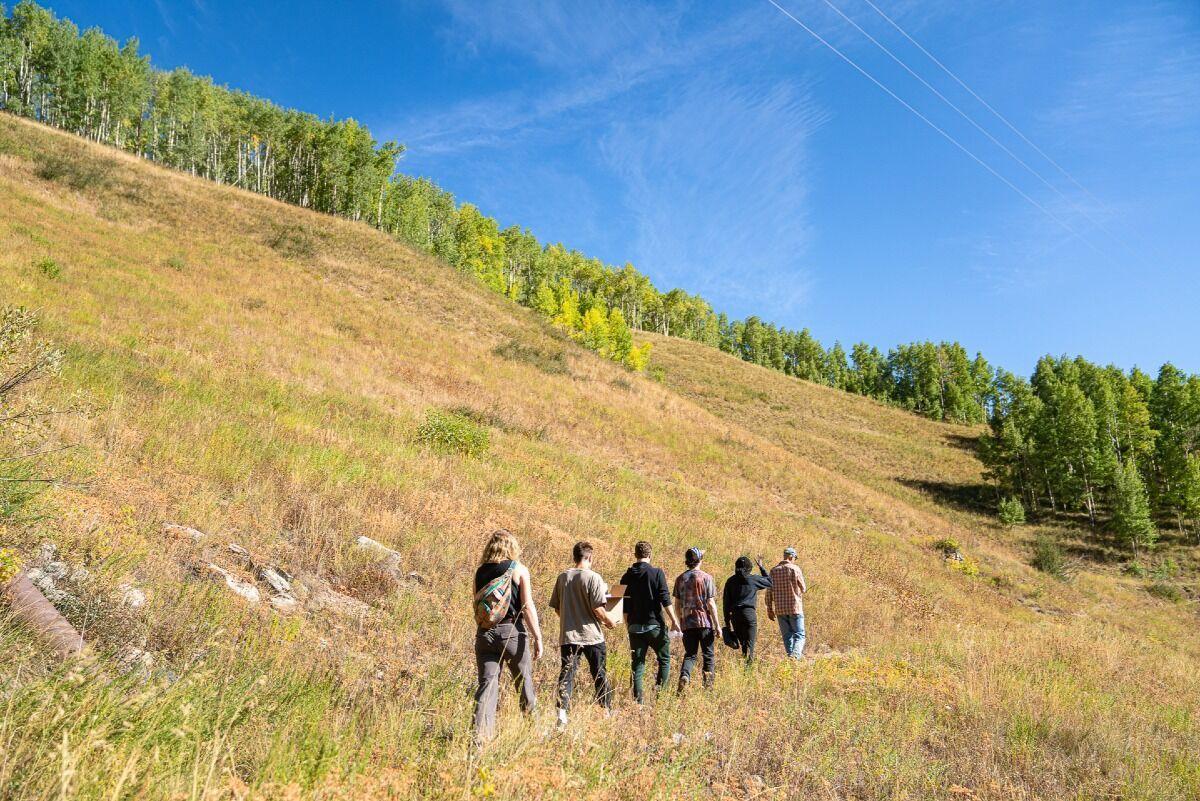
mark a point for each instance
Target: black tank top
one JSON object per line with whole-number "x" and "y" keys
{"x": 492, "y": 570}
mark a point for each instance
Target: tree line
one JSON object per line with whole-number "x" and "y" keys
{"x": 1076, "y": 437}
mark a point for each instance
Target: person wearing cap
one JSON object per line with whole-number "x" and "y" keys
{"x": 740, "y": 602}
{"x": 696, "y": 592}
{"x": 785, "y": 602}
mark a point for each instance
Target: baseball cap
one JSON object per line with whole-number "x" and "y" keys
{"x": 789, "y": 551}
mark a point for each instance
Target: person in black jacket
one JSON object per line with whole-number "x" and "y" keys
{"x": 741, "y": 603}
{"x": 648, "y": 614}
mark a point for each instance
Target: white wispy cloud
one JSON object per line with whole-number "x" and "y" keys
{"x": 718, "y": 186}
{"x": 583, "y": 56}
{"x": 1140, "y": 72}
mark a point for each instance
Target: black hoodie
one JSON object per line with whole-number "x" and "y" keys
{"x": 646, "y": 594}
{"x": 742, "y": 588}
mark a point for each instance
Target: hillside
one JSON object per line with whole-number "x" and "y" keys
{"x": 261, "y": 375}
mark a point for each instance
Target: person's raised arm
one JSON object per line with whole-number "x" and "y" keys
{"x": 528, "y": 610}
{"x": 762, "y": 570}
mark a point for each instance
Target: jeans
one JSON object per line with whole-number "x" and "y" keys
{"x": 642, "y": 639}
{"x": 597, "y": 659}
{"x": 792, "y": 629}
{"x": 694, "y": 641}
{"x": 744, "y": 621}
{"x": 504, "y": 644}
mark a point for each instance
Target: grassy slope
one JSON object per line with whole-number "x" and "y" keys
{"x": 258, "y": 372}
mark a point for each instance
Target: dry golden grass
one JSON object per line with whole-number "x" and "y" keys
{"x": 260, "y": 372}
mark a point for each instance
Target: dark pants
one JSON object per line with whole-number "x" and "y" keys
{"x": 745, "y": 627}
{"x": 697, "y": 641}
{"x": 642, "y": 640}
{"x": 597, "y": 659}
{"x": 503, "y": 644}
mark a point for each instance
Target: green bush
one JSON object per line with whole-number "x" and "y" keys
{"x": 1048, "y": 557}
{"x": 1168, "y": 592}
{"x": 947, "y": 547}
{"x": 448, "y": 432}
{"x": 1012, "y": 512}
{"x": 49, "y": 268}
{"x": 176, "y": 263}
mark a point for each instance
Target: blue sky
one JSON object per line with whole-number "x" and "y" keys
{"x": 719, "y": 147}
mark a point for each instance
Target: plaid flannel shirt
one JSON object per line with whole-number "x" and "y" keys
{"x": 695, "y": 589}
{"x": 787, "y": 589}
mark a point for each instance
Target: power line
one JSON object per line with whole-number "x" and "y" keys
{"x": 964, "y": 115}
{"x": 937, "y": 128}
{"x": 985, "y": 104}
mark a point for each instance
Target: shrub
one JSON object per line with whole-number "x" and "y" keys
{"x": 947, "y": 547}
{"x": 551, "y": 362}
{"x": 49, "y": 268}
{"x": 1168, "y": 592}
{"x": 1048, "y": 557}
{"x": 1136, "y": 569}
{"x": 448, "y": 432}
{"x": 1165, "y": 570}
{"x": 176, "y": 263}
{"x": 964, "y": 565}
{"x": 292, "y": 242}
{"x": 1012, "y": 512}
{"x": 10, "y": 564}
{"x": 78, "y": 171}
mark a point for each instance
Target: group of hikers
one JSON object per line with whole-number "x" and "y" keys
{"x": 509, "y": 633}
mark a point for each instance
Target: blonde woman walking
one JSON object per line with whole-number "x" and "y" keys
{"x": 507, "y": 633}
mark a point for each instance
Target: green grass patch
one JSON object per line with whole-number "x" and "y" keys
{"x": 449, "y": 432}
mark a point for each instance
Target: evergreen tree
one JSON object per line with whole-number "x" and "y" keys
{"x": 1131, "y": 510}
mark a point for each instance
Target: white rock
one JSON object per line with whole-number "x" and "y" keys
{"x": 183, "y": 531}
{"x": 239, "y": 550}
{"x": 132, "y": 597}
{"x": 243, "y": 588}
{"x": 284, "y": 604}
{"x": 276, "y": 578}
{"x": 390, "y": 557}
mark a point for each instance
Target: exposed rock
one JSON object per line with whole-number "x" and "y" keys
{"x": 132, "y": 597}
{"x": 136, "y": 660}
{"x": 389, "y": 557}
{"x": 176, "y": 530}
{"x": 243, "y": 588}
{"x": 238, "y": 550}
{"x": 277, "y": 579}
{"x": 284, "y": 604}
{"x": 416, "y": 578}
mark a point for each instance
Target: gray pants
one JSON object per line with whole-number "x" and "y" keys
{"x": 503, "y": 644}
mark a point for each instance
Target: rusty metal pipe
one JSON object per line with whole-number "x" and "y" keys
{"x": 32, "y": 608}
